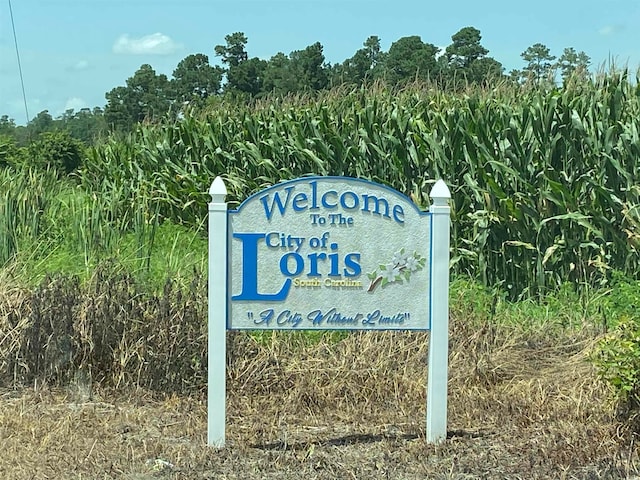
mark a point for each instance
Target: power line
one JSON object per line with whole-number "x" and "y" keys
{"x": 15, "y": 40}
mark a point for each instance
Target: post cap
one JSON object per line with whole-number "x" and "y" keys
{"x": 218, "y": 190}
{"x": 440, "y": 194}
{"x": 440, "y": 190}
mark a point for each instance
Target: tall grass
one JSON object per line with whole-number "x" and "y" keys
{"x": 24, "y": 196}
{"x": 544, "y": 183}
{"x": 51, "y": 225}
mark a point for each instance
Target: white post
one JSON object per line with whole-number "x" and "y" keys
{"x": 439, "y": 335}
{"x": 217, "y": 312}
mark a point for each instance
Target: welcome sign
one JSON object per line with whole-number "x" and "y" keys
{"x": 329, "y": 253}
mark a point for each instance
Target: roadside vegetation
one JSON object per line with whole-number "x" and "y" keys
{"x": 103, "y": 257}
{"x": 544, "y": 185}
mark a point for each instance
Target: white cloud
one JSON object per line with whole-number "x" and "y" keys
{"x": 75, "y": 103}
{"x": 610, "y": 29}
{"x": 79, "y": 66}
{"x": 154, "y": 44}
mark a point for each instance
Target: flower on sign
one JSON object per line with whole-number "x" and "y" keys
{"x": 390, "y": 272}
{"x": 412, "y": 264}
{"x": 399, "y": 258}
{"x": 400, "y": 268}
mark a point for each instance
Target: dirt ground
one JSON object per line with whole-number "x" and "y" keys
{"x": 517, "y": 410}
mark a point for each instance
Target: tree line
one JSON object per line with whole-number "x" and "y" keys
{"x": 195, "y": 82}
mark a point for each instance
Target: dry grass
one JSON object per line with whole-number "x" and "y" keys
{"x": 519, "y": 408}
{"x": 521, "y": 404}
{"x": 109, "y": 331}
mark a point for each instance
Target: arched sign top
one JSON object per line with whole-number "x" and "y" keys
{"x": 310, "y": 198}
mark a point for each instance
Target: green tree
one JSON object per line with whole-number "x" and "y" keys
{"x": 85, "y": 125}
{"x": 42, "y": 122}
{"x": 573, "y": 64}
{"x": 8, "y": 145}
{"x": 146, "y": 96}
{"x": 279, "y": 77}
{"x": 485, "y": 70}
{"x": 466, "y": 59}
{"x": 310, "y": 68}
{"x": 247, "y": 77}
{"x": 302, "y": 70}
{"x": 410, "y": 59}
{"x": 194, "y": 79}
{"x": 234, "y": 52}
{"x": 465, "y": 48}
{"x": 540, "y": 64}
{"x": 7, "y": 125}
{"x": 363, "y": 66}
{"x": 244, "y": 74}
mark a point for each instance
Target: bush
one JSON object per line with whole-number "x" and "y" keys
{"x": 617, "y": 359}
{"x": 56, "y": 151}
{"x": 617, "y": 355}
{"x": 623, "y": 301}
{"x": 8, "y": 151}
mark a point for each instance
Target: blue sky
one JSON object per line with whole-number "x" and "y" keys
{"x": 73, "y": 51}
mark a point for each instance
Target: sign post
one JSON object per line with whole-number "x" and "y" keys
{"x": 329, "y": 253}
{"x": 217, "y": 311}
{"x": 439, "y": 336}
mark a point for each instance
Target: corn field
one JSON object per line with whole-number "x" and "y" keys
{"x": 544, "y": 183}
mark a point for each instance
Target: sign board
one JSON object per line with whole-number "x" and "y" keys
{"x": 329, "y": 253}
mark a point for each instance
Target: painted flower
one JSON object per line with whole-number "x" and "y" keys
{"x": 391, "y": 272}
{"x": 399, "y": 258}
{"x": 412, "y": 264}
{"x": 400, "y": 269}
